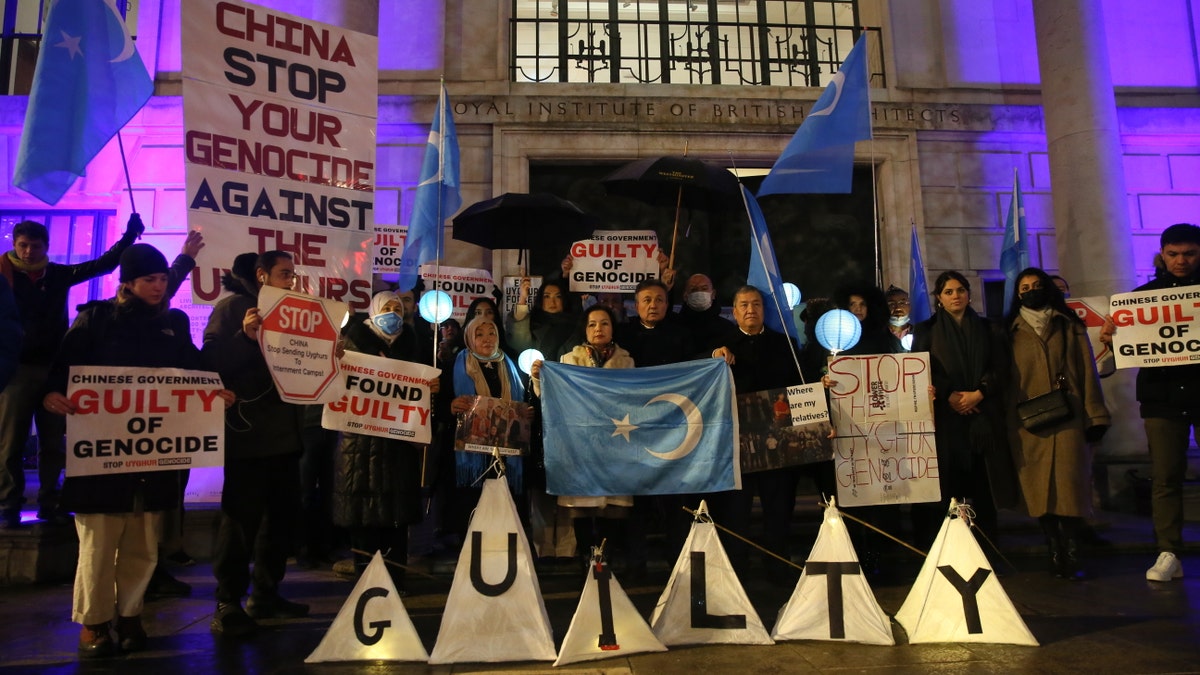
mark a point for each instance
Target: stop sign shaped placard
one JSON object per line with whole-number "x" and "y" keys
{"x": 299, "y": 337}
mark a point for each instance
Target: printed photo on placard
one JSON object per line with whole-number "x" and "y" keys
{"x": 494, "y": 424}
{"x": 784, "y": 427}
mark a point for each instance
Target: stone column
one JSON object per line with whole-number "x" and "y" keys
{"x": 1091, "y": 217}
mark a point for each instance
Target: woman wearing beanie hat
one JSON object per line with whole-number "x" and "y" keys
{"x": 119, "y": 516}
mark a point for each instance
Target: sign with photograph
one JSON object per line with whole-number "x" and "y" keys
{"x": 784, "y": 427}
{"x": 494, "y": 424}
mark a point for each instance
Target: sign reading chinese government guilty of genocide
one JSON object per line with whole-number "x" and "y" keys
{"x": 1156, "y": 328}
{"x": 389, "y": 244}
{"x": 462, "y": 284}
{"x": 884, "y": 452}
{"x": 279, "y": 144}
{"x": 298, "y": 337}
{"x": 614, "y": 261}
{"x": 143, "y": 419}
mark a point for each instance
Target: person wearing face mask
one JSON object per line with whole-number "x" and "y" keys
{"x": 701, "y": 317}
{"x": 377, "y": 481}
{"x": 1054, "y": 464}
{"x": 899, "y": 321}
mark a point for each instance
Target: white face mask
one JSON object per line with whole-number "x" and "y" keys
{"x": 898, "y": 321}
{"x": 699, "y": 300}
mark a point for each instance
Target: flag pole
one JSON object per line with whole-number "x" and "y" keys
{"x": 125, "y": 165}
{"x": 441, "y": 223}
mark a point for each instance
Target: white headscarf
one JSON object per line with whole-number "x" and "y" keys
{"x": 377, "y": 303}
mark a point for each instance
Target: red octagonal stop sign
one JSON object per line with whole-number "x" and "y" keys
{"x": 299, "y": 340}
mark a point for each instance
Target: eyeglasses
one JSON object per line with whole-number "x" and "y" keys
{"x": 897, "y": 303}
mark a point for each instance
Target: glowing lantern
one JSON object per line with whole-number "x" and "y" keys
{"x": 436, "y": 307}
{"x": 838, "y": 330}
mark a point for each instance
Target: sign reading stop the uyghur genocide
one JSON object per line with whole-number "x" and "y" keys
{"x": 143, "y": 419}
{"x": 614, "y": 261}
{"x": 279, "y": 145}
{"x": 384, "y": 397}
{"x": 299, "y": 338}
{"x": 884, "y": 451}
{"x": 1156, "y": 328}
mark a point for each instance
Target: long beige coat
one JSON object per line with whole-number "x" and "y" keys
{"x": 1054, "y": 465}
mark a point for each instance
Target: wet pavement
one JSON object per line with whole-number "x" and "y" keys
{"x": 1114, "y": 622}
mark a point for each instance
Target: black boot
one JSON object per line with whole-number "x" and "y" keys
{"x": 1050, "y": 529}
{"x": 1071, "y": 529}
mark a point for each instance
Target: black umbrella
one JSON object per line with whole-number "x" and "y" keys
{"x": 523, "y": 221}
{"x": 675, "y": 181}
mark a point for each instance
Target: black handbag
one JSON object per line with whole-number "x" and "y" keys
{"x": 1050, "y": 408}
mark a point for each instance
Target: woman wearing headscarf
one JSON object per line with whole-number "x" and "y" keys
{"x": 119, "y": 517}
{"x": 969, "y": 361}
{"x": 1050, "y": 349}
{"x": 597, "y": 351}
{"x": 377, "y": 481}
{"x": 486, "y": 306}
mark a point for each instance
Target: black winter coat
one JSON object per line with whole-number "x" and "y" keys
{"x": 377, "y": 481}
{"x": 1170, "y": 392}
{"x": 135, "y": 335}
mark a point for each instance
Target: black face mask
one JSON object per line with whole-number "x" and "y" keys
{"x": 1034, "y": 298}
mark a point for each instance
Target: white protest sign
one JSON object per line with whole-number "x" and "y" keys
{"x": 143, "y": 419}
{"x": 512, "y": 291}
{"x": 299, "y": 336}
{"x": 884, "y": 452}
{"x": 614, "y": 261}
{"x": 1091, "y": 311}
{"x": 279, "y": 145}
{"x": 462, "y": 284}
{"x": 783, "y": 427}
{"x": 1156, "y": 328}
{"x": 384, "y": 397}
{"x": 388, "y": 247}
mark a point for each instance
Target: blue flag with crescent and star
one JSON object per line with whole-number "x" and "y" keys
{"x": 640, "y": 431}
{"x": 820, "y": 156}
{"x": 89, "y": 81}
{"x": 764, "y": 273}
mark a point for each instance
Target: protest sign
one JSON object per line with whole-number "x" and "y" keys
{"x": 279, "y": 145}
{"x": 143, "y": 419}
{"x": 1091, "y": 311}
{"x": 614, "y": 261}
{"x": 784, "y": 427}
{"x": 1156, "y": 328}
{"x": 494, "y": 424}
{"x": 298, "y": 337}
{"x": 512, "y": 291}
{"x": 884, "y": 452}
{"x": 462, "y": 284}
{"x": 383, "y": 397}
{"x": 388, "y": 246}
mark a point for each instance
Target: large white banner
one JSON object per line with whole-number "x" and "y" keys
{"x": 462, "y": 284}
{"x": 384, "y": 397}
{"x": 884, "y": 452}
{"x": 614, "y": 261}
{"x": 279, "y": 143}
{"x": 143, "y": 419}
{"x": 1156, "y": 328}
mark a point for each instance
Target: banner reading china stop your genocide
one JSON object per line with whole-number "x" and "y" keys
{"x": 1156, "y": 328}
{"x": 143, "y": 419}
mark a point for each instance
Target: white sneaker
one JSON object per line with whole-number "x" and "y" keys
{"x": 1166, "y": 568}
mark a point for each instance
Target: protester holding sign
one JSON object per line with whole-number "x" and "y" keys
{"x": 969, "y": 358}
{"x": 119, "y": 516}
{"x": 1170, "y": 398}
{"x": 1051, "y": 351}
{"x": 261, "y": 495}
{"x": 377, "y": 481}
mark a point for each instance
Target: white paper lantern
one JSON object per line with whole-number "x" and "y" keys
{"x": 436, "y": 307}
{"x": 838, "y": 330}
{"x": 792, "y": 292}
{"x": 526, "y": 358}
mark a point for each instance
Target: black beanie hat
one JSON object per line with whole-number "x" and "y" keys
{"x": 141, "y": 260}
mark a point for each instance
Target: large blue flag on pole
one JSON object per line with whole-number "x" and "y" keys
{"x": 640, "y": 431}
{"x": 820, "y": 156}
{"x": 764, "y": 271}
{"x": 1014, "y": 252}
{"x": 437, "y": 196}
{"x": 918, "y": 287}
{"x": 88, "y": 82}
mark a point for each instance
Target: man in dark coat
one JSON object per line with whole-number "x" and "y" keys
{"x": 261, "y": 494}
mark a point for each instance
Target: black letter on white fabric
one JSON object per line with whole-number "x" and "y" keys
{"x": 968, "y": 590}
{"x": 492, "y": 590}
{"x": 359, "y": 608}
{"x": 700, "y": 616}
{"x": 608, "y": 635}
{"x": 833, "y": 572}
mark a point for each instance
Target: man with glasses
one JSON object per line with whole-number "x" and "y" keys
{"x": 899, "y": 321}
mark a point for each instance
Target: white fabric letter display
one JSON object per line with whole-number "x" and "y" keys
{"x": 373, "y": 624}
{"x": 606, "y": 623}
{"x": 957, "y": 598}
{"x": 832, "y": 600}
{"x": 495, "y": 610}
